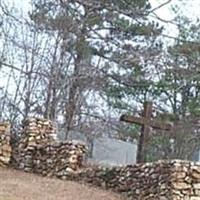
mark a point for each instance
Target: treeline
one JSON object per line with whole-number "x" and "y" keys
{"x": 82, "y": 63}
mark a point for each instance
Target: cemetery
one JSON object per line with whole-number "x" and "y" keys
{"x": 99, "y": 100}
{"x": 39, "y": 151}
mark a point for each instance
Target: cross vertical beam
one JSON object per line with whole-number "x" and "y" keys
{"x": 142, "y": 149}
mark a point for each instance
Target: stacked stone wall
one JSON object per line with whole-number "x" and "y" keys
{"x": 185, "y": 180}
{"x": 37, "y": 132}
{"x": 162, "y": 180}
{"x": 40, "y": 152}
{"x": 138, "y": 182}
{"x": 5, "y": 147}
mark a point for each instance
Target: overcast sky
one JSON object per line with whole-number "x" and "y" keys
{"x": 190, "y": 9}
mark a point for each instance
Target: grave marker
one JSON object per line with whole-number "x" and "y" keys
{"x": 146, "y": 122}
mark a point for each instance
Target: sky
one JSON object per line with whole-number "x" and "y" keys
{"x": 190, "y": 8}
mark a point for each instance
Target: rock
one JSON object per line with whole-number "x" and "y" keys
{"x": 194, "y": 198}
{"x": 196, "y": 186}
{"x": 196, "y": 175}
{"x": 179, "y": 175}
{"x": 181, "y": 185}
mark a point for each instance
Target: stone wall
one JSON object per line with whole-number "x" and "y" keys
{"x": 162, "y": 180}
{"x": 40, "y": 152}
{"x": 185, "y": 180}
{"x": 52, "y": 159}
{"x": 141, "y": 181}
{"x": 5, "y": 147}
{"x": 37, "y": 132}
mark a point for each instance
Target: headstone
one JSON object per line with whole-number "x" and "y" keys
{"x": 108, "y": 151}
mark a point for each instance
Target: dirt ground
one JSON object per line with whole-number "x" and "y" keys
{"x": 16, "y": 185}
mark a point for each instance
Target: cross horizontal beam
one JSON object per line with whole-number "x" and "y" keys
{"x": 146, "y": 121}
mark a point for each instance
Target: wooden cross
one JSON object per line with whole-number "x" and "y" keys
{"x": 146, "y": 122}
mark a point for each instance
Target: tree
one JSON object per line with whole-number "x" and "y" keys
{"x": 178, "y": 87}
{"x": 91, "y": 60}
{"x": 97, "y": 37}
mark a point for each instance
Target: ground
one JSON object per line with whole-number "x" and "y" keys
{"x": 16, "y": 185}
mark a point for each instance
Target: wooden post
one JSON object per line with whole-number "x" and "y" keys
{"x": 146, "y": 122}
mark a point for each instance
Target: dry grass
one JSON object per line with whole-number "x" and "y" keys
{"x": 16, "y": 185}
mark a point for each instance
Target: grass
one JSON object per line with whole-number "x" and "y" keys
{"x": 16, "y": 185}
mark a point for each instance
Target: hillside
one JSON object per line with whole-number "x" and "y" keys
{"x": 16, "y": 185}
